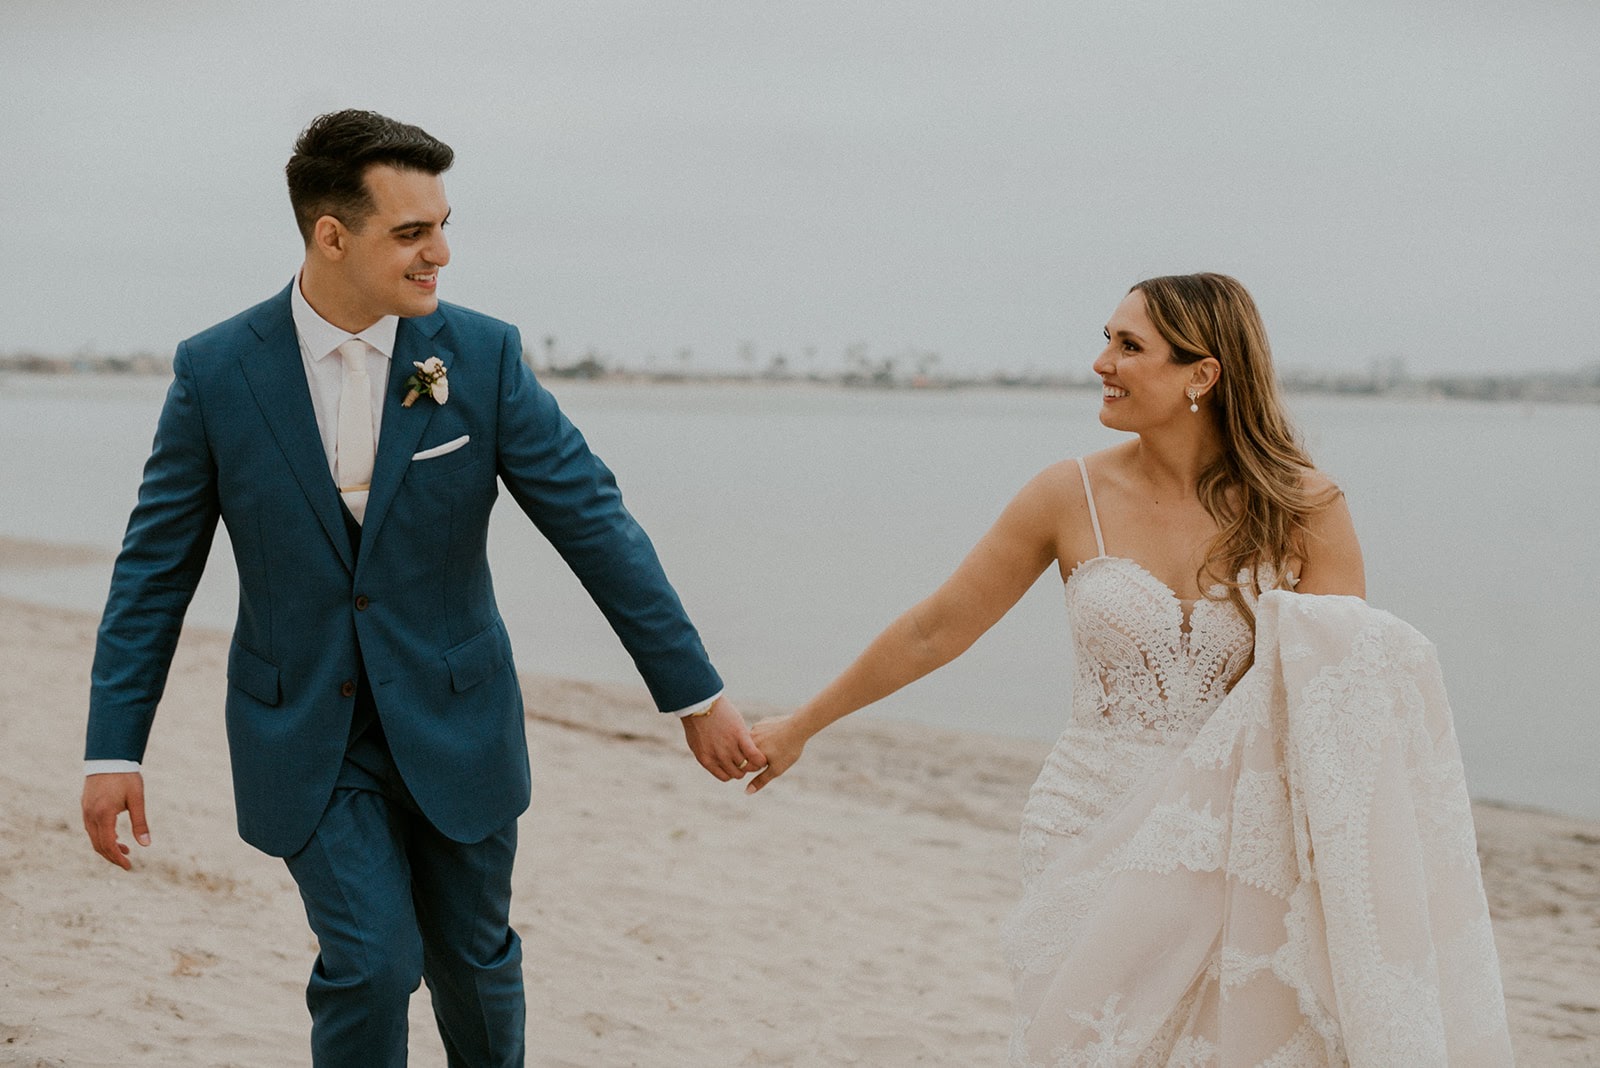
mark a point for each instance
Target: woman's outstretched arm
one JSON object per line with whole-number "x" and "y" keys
{"x": 992, "y": 578}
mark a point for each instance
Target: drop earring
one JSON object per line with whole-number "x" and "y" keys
{"x": 1194, "y": 399}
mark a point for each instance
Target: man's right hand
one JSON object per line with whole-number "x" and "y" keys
{"x": 105, "y": 797}
{"x": 721, "y": 742}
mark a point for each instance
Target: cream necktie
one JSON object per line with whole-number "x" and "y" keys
{"x": 356, "y": 449}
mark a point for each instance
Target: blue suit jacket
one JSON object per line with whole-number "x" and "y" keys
{"x": 238, "y": 440}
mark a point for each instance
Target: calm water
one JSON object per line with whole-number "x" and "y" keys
{"x": 796, "y": 522}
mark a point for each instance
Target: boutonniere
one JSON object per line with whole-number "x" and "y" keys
{"x": 429, "y": 381}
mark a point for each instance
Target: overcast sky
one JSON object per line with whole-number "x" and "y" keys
{"x": 983, "y": 180}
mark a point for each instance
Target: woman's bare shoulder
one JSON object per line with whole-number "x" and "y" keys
{"x": 1063, "y": 480}
{"x": 1055, "y": 502}
{"x": 1050, "y": 502}
{"x": 1058, "y": 486}
{"x": 1112, "y": 460}
{"x": 1331, "y": 552}
{"x": 1319, "y": 486}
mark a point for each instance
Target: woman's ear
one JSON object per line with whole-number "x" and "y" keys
{"x": 1205, "y": 374}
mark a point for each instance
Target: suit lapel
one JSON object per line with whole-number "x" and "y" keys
{"x": 414, "y": 342}
{"x": 277, "y": 379}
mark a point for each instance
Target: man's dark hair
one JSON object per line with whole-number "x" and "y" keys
{"x": 332, "y": 154}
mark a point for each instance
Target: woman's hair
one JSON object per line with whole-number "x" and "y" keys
{"x": 1256, "y": 489}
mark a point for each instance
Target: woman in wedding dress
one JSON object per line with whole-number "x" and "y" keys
{"x": 1252, "y": 844}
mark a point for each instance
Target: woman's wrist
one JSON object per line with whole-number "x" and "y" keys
{"x": 807, "y": 721}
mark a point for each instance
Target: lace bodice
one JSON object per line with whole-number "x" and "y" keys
{"x": 1141, "y": 664}
{"x": 1147, "y": 661}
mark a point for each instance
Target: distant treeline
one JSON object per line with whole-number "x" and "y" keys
{"x": 141, "y": 363}
{"x": 1384, "y": 378}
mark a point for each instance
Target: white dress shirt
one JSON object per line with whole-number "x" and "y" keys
{"x": 319, "y": 354}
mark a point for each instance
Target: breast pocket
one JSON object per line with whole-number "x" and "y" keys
{"x": 438, "y": 460}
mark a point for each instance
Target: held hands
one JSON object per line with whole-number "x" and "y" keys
{"x": 105, "y": 797}
{"x": 782, "y": 740}
{"x": 721, "y": 742}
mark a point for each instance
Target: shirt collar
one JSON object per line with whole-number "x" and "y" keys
{"x": 321, "y": 337}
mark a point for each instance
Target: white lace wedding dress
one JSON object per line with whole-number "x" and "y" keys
{"x": 1282, "y": 874}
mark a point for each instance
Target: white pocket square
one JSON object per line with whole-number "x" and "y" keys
{"x": 440, "y": 450}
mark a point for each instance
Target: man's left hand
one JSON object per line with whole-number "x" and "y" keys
{"x": 721, "y": 741}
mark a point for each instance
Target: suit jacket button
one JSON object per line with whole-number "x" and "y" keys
{"x": 362, "y": 602}
{"x": 347, "y": 688}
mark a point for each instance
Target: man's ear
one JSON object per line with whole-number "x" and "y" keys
{"x": 329, "y": 238}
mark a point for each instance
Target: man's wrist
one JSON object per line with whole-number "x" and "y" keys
{"x": 699, "y": 708}
{"x": 110, "y": 767}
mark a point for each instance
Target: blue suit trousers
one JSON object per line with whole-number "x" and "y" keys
{"x": 392, "y": 901}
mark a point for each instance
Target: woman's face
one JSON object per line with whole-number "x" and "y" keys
{"x": 1142, "y": 386}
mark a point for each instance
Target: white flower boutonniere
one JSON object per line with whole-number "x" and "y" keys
{"x": 429, "y": 381}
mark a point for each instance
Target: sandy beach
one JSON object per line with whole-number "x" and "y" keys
{"x": 847, "y": 916}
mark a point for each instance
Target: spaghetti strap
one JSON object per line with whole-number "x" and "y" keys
{"x": 1094, "y": 517}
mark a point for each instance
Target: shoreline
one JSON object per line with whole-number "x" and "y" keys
{"x": 848, "y": 915}
{"x": 1020, "y": 753}
{"x": 1578, "y": 386}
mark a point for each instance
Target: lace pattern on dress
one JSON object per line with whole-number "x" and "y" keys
{"x": 1143, "y": 681}
{"x": 1140, "y": 665}
{"x": 1283, "y": 876}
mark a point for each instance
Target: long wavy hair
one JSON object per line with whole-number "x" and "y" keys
{"x": 1255, "y": 490}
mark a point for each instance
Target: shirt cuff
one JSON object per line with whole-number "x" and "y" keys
{"x": 698, "y": 707}
{"x": 109, "y": 767}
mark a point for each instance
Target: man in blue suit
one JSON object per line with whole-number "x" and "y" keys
{"x": 352, "y": 432}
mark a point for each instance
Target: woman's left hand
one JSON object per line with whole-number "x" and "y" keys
{"x": 782, "y": 741}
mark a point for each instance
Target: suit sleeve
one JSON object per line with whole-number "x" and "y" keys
{"x": 163, "y": 553}
{"x": 573, "y": 499}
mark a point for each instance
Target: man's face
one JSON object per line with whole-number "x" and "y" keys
{"x": 392, "y": 264}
